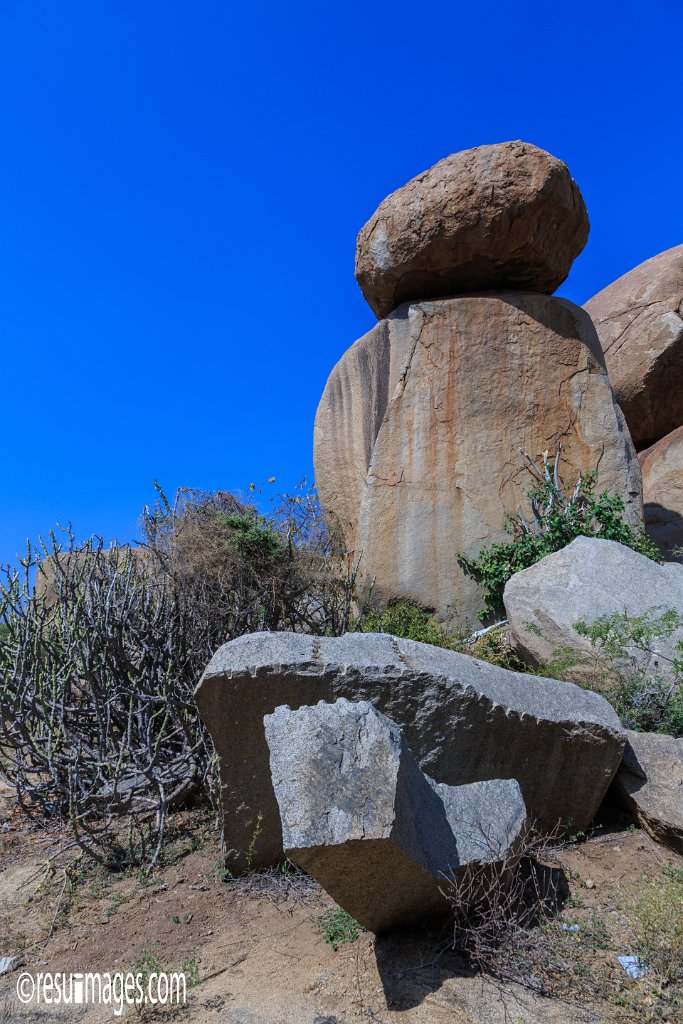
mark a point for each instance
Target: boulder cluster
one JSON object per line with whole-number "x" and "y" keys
{"x": 418, "y": 431}
{"x": 639, "y": 319}
{"x": 387, "y": 768}
{"x": 415, "y": 760}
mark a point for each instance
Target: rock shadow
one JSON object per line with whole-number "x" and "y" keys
{"x": 665, "y": 527}
{"x": 414, "y": 963}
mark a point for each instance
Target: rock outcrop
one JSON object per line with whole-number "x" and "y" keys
{"x": 418, "y": 430}
{"x": 585, "y": 581}
{"x": 358, "y": 815}
{"x": 639, "y": 319}
{"x": 506, "y": 216}
{"x": 662, "y": 470}
{"x": 464, "y": 720}
{"x": 650, "y": 784}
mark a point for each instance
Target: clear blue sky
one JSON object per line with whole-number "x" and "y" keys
{"x": 181, "y": 185}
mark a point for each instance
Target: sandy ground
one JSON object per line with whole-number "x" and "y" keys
{"x": 263, "y": 959}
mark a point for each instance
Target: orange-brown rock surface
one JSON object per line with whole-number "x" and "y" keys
{"x": 418, "y": 431}
{"x": 506, "y": 216}
{"x": 639, "y": 320}
{"x": 662, "y": 469}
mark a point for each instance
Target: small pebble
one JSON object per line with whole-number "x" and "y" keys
{"x": 589, "y": 883}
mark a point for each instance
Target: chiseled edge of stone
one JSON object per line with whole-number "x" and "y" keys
{"x": 412, "y": 658}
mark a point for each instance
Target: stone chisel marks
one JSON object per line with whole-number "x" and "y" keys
{"x": 464, "y": 720}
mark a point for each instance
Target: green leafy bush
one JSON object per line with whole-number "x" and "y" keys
{"x": 406, "y": 619}
{"x": 645, "y": 701}
{"x": 252, "y": 535}
{"x": 558, "y": 517}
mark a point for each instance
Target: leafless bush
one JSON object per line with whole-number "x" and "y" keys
{"x": 500, "y": 910}
{"x": 285, "y": 883}
{"x": 98, "y": 661}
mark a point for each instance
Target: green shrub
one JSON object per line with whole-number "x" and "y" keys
{"x": 406, "y": 619}
{"x": 252, "y": 535}
{"x": 338, "y": 927}
{"x": 645, "y": 701}
{"x": 559, "y": 516}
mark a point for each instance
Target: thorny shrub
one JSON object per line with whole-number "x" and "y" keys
{"x": 100, "y": 655}
{"x": 500, "y": 907}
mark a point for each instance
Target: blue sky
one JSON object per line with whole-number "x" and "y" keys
{"x": 181, "y": 185}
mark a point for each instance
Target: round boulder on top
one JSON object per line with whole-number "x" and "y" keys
{"x": 507, "y": 216}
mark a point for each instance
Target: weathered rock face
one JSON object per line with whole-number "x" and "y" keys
{"x": 650, "y": 784}
{"x": 359, "y": 816}
{"x": 507, "y": 216}
{"x": 662, "y": 470}
{"x": 418, "y": 430}
{"x": 639, "y": 319}
{"x": 465, "y": 721}
{"x": 589, "y": 579}
{"x": 350, "y": 415}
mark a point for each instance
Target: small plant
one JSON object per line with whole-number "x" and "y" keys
{"x": 117, "y": 900}
{"x": 147, "y": 962}
{"x": 558, "y": 515}
{"x": 190, "y": 968}
{"x": 251, "y": 849}
{"x": 501, "y": 913}
{"x": 338, "y": 927}
{"x": 494, "y": 647}
{"x": 657, "y": 924}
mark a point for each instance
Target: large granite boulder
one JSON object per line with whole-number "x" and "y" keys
{"x": 381, "y": 837}
{"x": 650, "y": 784}
{"x": 639, "y": 319}
{"x": 464, "y": 720}
{"x": 585, "y": 581}
{"x": 418, "y": 430}
{"x": 662, "y": 470}
{"x": 494, "y": 217}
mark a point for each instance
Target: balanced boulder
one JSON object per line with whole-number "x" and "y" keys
{"x": 494, "y": 217}
{"x": 358, "y": 815}
{"x": 588, "y": 580}
{"x": 639, "y": 319}
{"x": 650, "y": 784}
{"x": 662, "y": 470}
{"x": 418, "y": 430}
{"x": 464, "y": 720}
